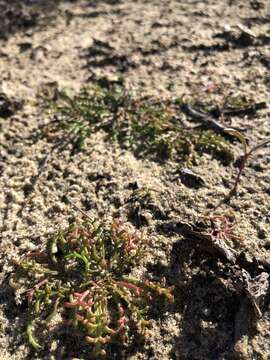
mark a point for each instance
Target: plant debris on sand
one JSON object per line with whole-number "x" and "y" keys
{"x": 214, "y": 247}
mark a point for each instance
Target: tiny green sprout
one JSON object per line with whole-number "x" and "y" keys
{"x": 246, "y": 154}
{"x": 31, "y": 338}
{"x": 84, "y": 274}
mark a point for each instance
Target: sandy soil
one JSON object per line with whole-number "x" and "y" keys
{"x": 168, "y": 48}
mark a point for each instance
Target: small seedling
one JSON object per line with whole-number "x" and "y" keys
{"x": 83, "y": 274}
{"x": 245, "y": 157}
{"x": 223, "y": 228}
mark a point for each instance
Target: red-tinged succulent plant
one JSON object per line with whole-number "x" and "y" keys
{"x": 84, "y": 272}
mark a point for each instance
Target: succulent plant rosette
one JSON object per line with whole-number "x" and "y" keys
{"x": 82, "y": 274}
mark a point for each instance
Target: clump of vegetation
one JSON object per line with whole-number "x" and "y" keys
{"x": 83, "y": 273}
{"x": 143, "y": 124}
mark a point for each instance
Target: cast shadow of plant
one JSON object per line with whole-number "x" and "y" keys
{"x": 15, "y": 314}
{"x": 215, "y": 317}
